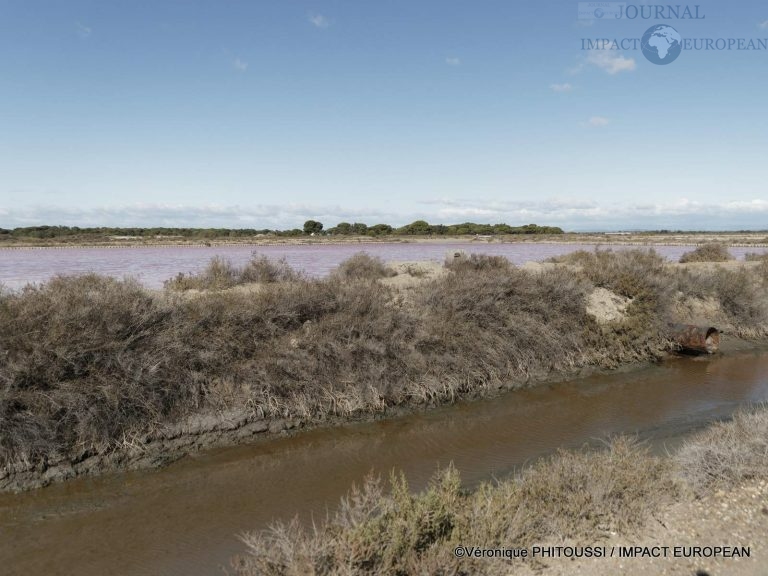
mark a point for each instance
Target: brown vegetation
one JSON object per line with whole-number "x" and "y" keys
{"x": 727, "y": 453}
{"x": 362, "y": 266}
{"x": 221, "y": 274}
{"x": 712, "y": 252}
{"x": 658, "y": 290}
{"x": 577, "y": 497}
{"x": 93, "y": 365}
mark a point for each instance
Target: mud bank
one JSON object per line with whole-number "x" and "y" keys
{"x": 237, "y": 427}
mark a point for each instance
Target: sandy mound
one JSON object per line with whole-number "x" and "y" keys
{"x": 607, "y": 306}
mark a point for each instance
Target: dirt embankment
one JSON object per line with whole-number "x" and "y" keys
{"x": 100, "y": 375}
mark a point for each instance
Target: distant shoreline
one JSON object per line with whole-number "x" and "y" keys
{"x": 734, "y": 239}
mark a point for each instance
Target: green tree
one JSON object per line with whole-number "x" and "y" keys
{"x": 344, "y": 228}
{"x": 313, "y": 227}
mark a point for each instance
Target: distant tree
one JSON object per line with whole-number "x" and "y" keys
{"x": 313, "y": 227}
{"x": 416, "y": 227}
{"x": 343, "y": 228}
{"x": 379, "y": 230}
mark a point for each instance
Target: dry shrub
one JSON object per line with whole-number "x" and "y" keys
{"x": 92, "y": 361}
{"x": 461, "y": 262}
{"x": 726, "y": 453}
{"x": 712, "y": 252}
{"x": 362, "y": 266}
{"x": 637, "y": 274}
{"x": 81, "y": 367}
{"x": 350, "y": 359}
{"x": 762, "y": 267}
{"x": 265, "y": 271}
{"x": 579, "y": 496}
{"x": 496, "y": 325}
{"x": 756, "y": 256}
{"x": 740, "y": 294}
{"x": 762, "y": 270}
{"x": 630, "y": 273}
{"x": 221, "y": 274}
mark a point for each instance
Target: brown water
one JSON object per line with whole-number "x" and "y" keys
{"x": 152, "y": 265}
{"x": 183, "y": 519}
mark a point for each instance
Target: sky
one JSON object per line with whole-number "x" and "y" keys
{"x": 265, "y": 113}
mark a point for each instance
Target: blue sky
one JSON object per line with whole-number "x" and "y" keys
{"x": 264, "y": 113}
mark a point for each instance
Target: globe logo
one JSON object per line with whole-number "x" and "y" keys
{"x": 661, "y": 44}
{"x": 599, "y": 13}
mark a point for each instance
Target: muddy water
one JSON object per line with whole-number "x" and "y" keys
{"x": 183, "y": 520}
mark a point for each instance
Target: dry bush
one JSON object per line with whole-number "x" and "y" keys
{"x": 221, "y": 274}
{"x": 461, "y": 262}
{"x": 742, "y": 297}
{"x": 81, "y": 366}
{"x": 579, "y": 496}
{"x": 348, "y": 360}
{"x": 740, "y": 294}
{"x": 500, "y": 325}
{"x": 726, "y": 453}
{"x": 91, "y": 361}
{"x": 762, "y": 267}
{"x": 762, "y": 271}
{"x": 265, "y": 271}
{"x": 362, "y": 266}
{"x": 712, "y": 252}
{"x": 637, "y": 274}
{"x": 630, "y": 273}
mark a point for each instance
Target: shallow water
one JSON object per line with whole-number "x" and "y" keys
{"x": 183, "y": 519}
{"x": 152, "y": 265}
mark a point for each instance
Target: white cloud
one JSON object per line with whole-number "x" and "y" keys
{"x": 319, "y": 21}
{"x": 763, "y": 25}
{"x": 561, "y": 87}
{"x": 598, "y": 121}
{"x": 83, "y": 31}
{"x": 182, "y": 215}
{"x": 453, "y": 61}
{"x": 571, "y": 214}
{"x": 591, "y": 215}
{"x": 611, "y": 61}
{"x": 240, "y": 65}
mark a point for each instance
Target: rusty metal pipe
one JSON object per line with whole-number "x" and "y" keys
{"x": 692, "y": 338}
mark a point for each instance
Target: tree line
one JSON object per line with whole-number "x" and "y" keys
{"x": 311, "y": 227}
